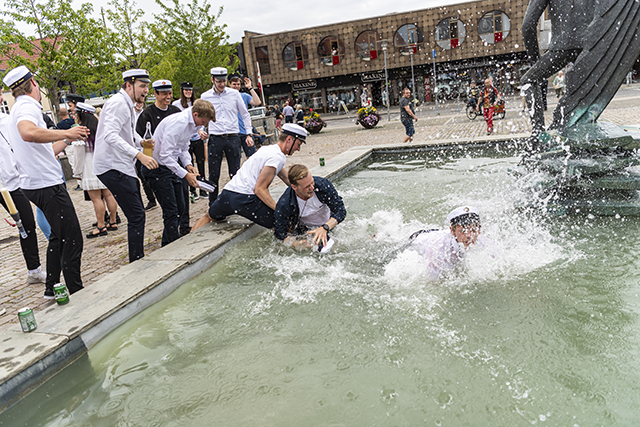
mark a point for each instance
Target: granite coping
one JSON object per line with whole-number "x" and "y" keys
{"x": 66, "y": 332}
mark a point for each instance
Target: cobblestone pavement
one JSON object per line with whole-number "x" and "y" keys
{"x": 105, "y": 254}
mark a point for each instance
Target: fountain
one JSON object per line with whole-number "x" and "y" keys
{"x": 588, "y": 165}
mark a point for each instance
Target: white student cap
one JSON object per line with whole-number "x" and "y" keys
{"x": 219, "y": 73}
{"x": 295, "y": 130}
{"x": 464, "y": 215}
{"x": 136, "y": 74}
{"x": 17, "y": 76}
{"x": 85, "y": 107}
{"x": 162, "y": 85}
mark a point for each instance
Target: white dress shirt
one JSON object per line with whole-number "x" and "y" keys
{"x": 37, "y": 162}
{"x": 170, "y": 143}
{"x": 117, "y": 143}
{"x": 8, "y": 166}
{"x": 227, "y": 105}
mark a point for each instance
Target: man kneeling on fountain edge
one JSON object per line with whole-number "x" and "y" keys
{"x": 444, "y": 249}
{"x": 310, "y": 207}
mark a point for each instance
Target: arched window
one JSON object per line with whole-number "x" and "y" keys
{"x": 295, "y": 55}
{"x": 330, "y": 50}
{"x": 494, "y": 27}
{"x": 450, "y": 33}
{"x": 367, "y": 44}
{"x": 407, "y": 39}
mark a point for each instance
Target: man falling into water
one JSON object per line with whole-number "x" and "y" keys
{"x": 443, "y": 250}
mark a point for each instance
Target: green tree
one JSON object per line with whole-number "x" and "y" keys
{"x": 66, "y": 46}
{"x": 197, "y": 41}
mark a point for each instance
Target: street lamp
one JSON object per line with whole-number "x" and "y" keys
{"x": 383, "y": 45}
{"x": 413, "y": 80}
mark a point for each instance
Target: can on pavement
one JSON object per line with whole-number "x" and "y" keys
{"x": 27, "y": 319}
{"x": 60, "y": 293}
{"x": 321, "y": 161}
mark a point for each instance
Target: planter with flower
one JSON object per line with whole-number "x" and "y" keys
{"x": 368, "y": 117}
{"x": 313, "y": 123}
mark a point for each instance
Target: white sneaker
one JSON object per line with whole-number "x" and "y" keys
{"x": 37, "y": 276}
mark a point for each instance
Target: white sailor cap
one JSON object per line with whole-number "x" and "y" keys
{"x": 219, "y": 73}
{"x": 85, "y": 107}
{"x": 136, "y": 74}
{"x": 17, "y": 76}
{"x": 162, "y": 85}
{"x": 464, "y": 215}
{"x": 295, "y": 130}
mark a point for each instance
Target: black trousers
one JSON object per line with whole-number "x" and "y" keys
{"x": 145, "y": 185}
{"x": 185, "y": 228}
{"x": 167, "y": 187}
{"x": 246, "y": 205}
{"x": 218, "y": 146}
{"x": 126, "y": 190}
{"x": 64, "y": 254}
{"x": 30, "y": 244}
{"x": 196, "y": 149}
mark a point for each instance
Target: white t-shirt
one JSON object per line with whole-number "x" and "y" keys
{"x": 178, "y": 104}
{"x": 244, "y": 182}
{"x": 440, "y": 250}
{"x": 36, "y": 161}
{"x": 8, "y": 166}
{"x": 313, "y": 213}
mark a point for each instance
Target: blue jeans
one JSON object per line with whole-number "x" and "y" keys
{"x": 167, "y": 187}
{"x": 408, "y": 127}
{"x": 126, "y": 190}
{"x": 248, "y": 151}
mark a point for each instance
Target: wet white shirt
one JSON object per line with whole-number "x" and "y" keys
{"x": 244, "y": 182}
{"x": 313, "y": 213}
{"x": 441, "y": 252}
{"x": 36, "y": 162}
{"x": 170, "y": 143}
{"x": 227, "y": 105}
{"x": 117, "y": 143}
{"x": 8, "y": 166}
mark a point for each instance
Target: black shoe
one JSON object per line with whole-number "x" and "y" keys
{"x": 185, "y": 231}
{"x": 118, "y": 220}
{"x": 78, "y": 188}
{"x": 150, "y": 205}
{"x": 101, "y": 232}
{"x": 204, "y": 194}
{"x": 48, "y": 294}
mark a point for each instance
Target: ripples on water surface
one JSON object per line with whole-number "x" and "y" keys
{"x": 546, "y": 333}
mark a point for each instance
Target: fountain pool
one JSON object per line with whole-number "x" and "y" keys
{"x": 544, "y": 333}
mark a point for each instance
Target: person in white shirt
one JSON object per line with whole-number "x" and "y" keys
{"x": 117, "y": 147}
{"x": 247, "y": 194}
{"x": 42, "y": 179}
{"x": 443, "y": 250}
{"x": 11, "y": 180}
{"x": 170, "y": 147}
{"x": 223, "y": 133}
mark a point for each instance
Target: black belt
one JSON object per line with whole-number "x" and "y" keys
{"x": 226, "y": 135}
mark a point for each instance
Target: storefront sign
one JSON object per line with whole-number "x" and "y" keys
{"x": 372, "y": 77}
{"x": 310, "y": 84}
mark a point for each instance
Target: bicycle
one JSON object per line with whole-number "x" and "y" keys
{"x": 498, "y": 112}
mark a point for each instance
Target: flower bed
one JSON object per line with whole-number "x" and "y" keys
{"x": 313, "y": 123}
{"x": 368, "y": 117}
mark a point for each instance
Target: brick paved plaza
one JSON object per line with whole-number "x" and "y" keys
{"x": 105, "y": 254}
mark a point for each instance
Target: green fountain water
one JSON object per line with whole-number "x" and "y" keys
{"x": 544, "y": 332}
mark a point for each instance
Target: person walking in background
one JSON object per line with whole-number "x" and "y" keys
{"x": 11, "y": 179}
{"x": 65, "y": 121}
{"x": 287, "y": 111}
{"x": 489, "y": 98}
{"x": 223, "y": 133}
{"x": 299, "y": 115}
{"x": 407, "y": 115}
{"x": 42, "y": 177}
{"x": 98, "y": 192}
{"x": 558, "y": 84}
{"x": 250, "y": 99}
{"x": 116, "y": 148}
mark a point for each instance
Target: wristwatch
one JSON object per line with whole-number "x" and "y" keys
{"x": 67, "y": 142}
{"x": 326, "y": 227}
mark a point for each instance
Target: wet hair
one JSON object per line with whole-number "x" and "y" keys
{"x": 466, "y": 220}
{"x": 297, "y": 172}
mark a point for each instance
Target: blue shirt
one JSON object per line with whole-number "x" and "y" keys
{"x": 247, "y": 99}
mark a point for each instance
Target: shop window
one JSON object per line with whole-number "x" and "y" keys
{"x": 262, "y": 56}
{"x": 407, "y": 39}
{"x": 450, "y": 33}
{"x": 367, "y": 44}
{"x": 331, "y": 50}
{"x": 494, "y": 27}
{"x": 295, "y": 55}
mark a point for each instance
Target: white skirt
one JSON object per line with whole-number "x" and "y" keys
{"x": 89, "y": 180}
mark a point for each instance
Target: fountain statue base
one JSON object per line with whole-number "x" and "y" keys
{"x": 588, "y": 168}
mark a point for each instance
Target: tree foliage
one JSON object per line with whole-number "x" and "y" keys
{"x": 198, "y": 42}
{"x": 66, "y": 46}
